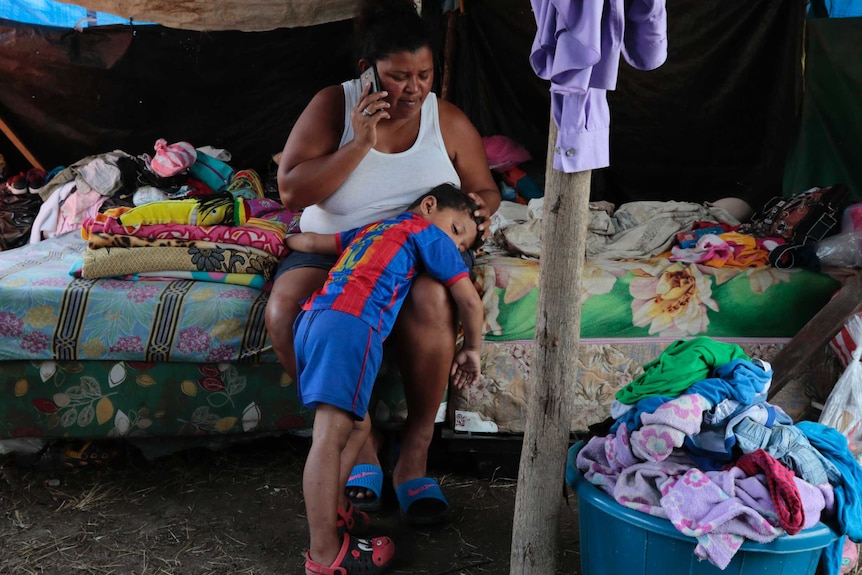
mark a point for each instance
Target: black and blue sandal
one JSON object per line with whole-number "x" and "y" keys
{"x": 369, "y": 477}
{"x": 422, "y": 502}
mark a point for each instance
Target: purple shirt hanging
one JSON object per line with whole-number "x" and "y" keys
{"x": 577, "y": 47}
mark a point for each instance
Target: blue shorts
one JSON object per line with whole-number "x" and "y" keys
{"x": 337, "y": 359}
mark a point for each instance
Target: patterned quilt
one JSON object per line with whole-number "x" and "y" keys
{"x": 45, "y": 313}
{"x": 657, "y": 298}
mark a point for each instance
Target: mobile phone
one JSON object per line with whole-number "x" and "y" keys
{"x": 369, "y": 76}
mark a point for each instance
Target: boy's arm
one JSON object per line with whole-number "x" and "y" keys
{"x": 466, "y": 367}
{"x": 314, "y": 243}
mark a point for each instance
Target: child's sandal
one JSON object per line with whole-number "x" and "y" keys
{"x": 351, "y": 520}
{"x": 357, "y": 556}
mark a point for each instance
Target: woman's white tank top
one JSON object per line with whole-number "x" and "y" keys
{"x": 383, "y": 185}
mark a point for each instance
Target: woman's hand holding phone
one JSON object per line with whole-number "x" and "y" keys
{"x": 370, "y": 109}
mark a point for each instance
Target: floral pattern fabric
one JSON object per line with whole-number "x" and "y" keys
{"x": 657, "y": 298}
{"x": 47, "y": 314}
{"x": 98, "y": 399}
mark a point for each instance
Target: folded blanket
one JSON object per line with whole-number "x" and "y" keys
{"x": 103, "y": 240}
{"x": 107, "y": 262}
{"x": 268, "y": 240}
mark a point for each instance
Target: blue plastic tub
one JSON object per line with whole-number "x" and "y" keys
{"x": 616, "y": 540}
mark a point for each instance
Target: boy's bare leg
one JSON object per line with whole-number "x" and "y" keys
{"x": 321, "y": 480}
{"x": 424, "y": 340}
{"x": 358, "y": 438}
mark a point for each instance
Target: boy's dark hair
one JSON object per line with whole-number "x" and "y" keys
{"x": 384, "y": 27}
{"x": 448, "y": 196}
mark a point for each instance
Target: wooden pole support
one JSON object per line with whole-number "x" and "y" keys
{"x": 4, "y": 127}
{"x": 816, "y": 333}
{"x": 541, "y": 476}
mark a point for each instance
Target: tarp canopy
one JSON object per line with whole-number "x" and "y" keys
{"x": 715, "y": 120}
{"x": 245, "y": 15}
{"x": 53, "y": 13}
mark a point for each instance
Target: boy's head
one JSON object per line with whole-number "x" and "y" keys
{"x": 452, "y": 211}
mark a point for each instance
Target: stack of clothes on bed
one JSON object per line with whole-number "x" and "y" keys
{"x": 693, "y": 440}
{"x": 215, "y": 237}
{"x": 182, "y": 214}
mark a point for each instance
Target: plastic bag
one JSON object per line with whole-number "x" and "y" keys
{"x": 841, "y": 250}
{"x": 843, "y": 408}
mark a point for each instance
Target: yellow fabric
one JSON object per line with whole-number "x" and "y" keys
{"x": 202, "y": 211}
{"x": 162, "y": 212}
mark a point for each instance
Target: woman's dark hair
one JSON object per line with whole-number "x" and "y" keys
{"x": 450, "y": 197}
{"x": 384, "y": 27}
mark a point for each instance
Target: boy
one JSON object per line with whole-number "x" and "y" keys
{"x": 339, "y": 344}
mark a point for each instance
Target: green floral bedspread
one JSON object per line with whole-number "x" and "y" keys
{"x": 657, "y": 297}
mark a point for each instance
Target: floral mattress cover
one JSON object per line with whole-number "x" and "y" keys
{"x": 109, "y": 357}
{"x": 657, "y": 298}
{"x": 631, "y": 311}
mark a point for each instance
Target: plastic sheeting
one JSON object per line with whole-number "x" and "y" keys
{"x": 67, "y": 94}
{"x": 51, "y": 13}
{"x": 201, "y": 15}
{"x": 828, "y": 147}
{"x": 715, "y": 120}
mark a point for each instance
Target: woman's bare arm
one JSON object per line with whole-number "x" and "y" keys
{"x": 312, "y": 166}
{"x": 465, "y": 147}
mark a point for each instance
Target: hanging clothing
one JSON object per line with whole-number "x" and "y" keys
{"x": 577, "y": 47}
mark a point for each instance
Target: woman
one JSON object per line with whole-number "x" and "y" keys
{"x": 354, "y": 157}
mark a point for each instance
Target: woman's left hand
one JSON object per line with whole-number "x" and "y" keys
{"x": 483, "y": 212}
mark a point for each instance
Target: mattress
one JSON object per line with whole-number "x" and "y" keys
{"x": 631, "y": 310}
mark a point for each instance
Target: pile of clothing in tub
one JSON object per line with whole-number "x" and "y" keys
{"x": 694, "y": 441}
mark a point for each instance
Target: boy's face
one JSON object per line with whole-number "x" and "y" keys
{"x": 457, "y": 224}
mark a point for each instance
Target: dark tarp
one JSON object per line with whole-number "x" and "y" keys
{"x": 714, "y": 121}
{"x": 828, "y": 147}
{"x": 68, "y": 95}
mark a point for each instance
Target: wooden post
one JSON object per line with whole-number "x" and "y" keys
{"x": 816, "y": 333}
{"x": 541, "y": 476}
{"x": 16, "y": 141}
{"x": 449, "y": 55}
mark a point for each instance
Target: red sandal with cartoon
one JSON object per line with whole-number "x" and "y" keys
{"x": 357, "y": 557}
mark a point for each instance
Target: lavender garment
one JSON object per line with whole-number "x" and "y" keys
{"x": 577, "y": 47}
{"x": 700, "y": 508}
{"x": 723, "y": 508}
{"x": 667, "y": 427}
{"x": 753, "y": 491}
{"x": 642, "y": 486}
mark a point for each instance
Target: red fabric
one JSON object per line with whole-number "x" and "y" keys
{"x": 782, "y": 488}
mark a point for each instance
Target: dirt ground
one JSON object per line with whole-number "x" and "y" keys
{"x": 239, "y": 510}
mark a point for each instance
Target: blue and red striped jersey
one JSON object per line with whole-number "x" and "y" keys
{"x": 378, "y": 263}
